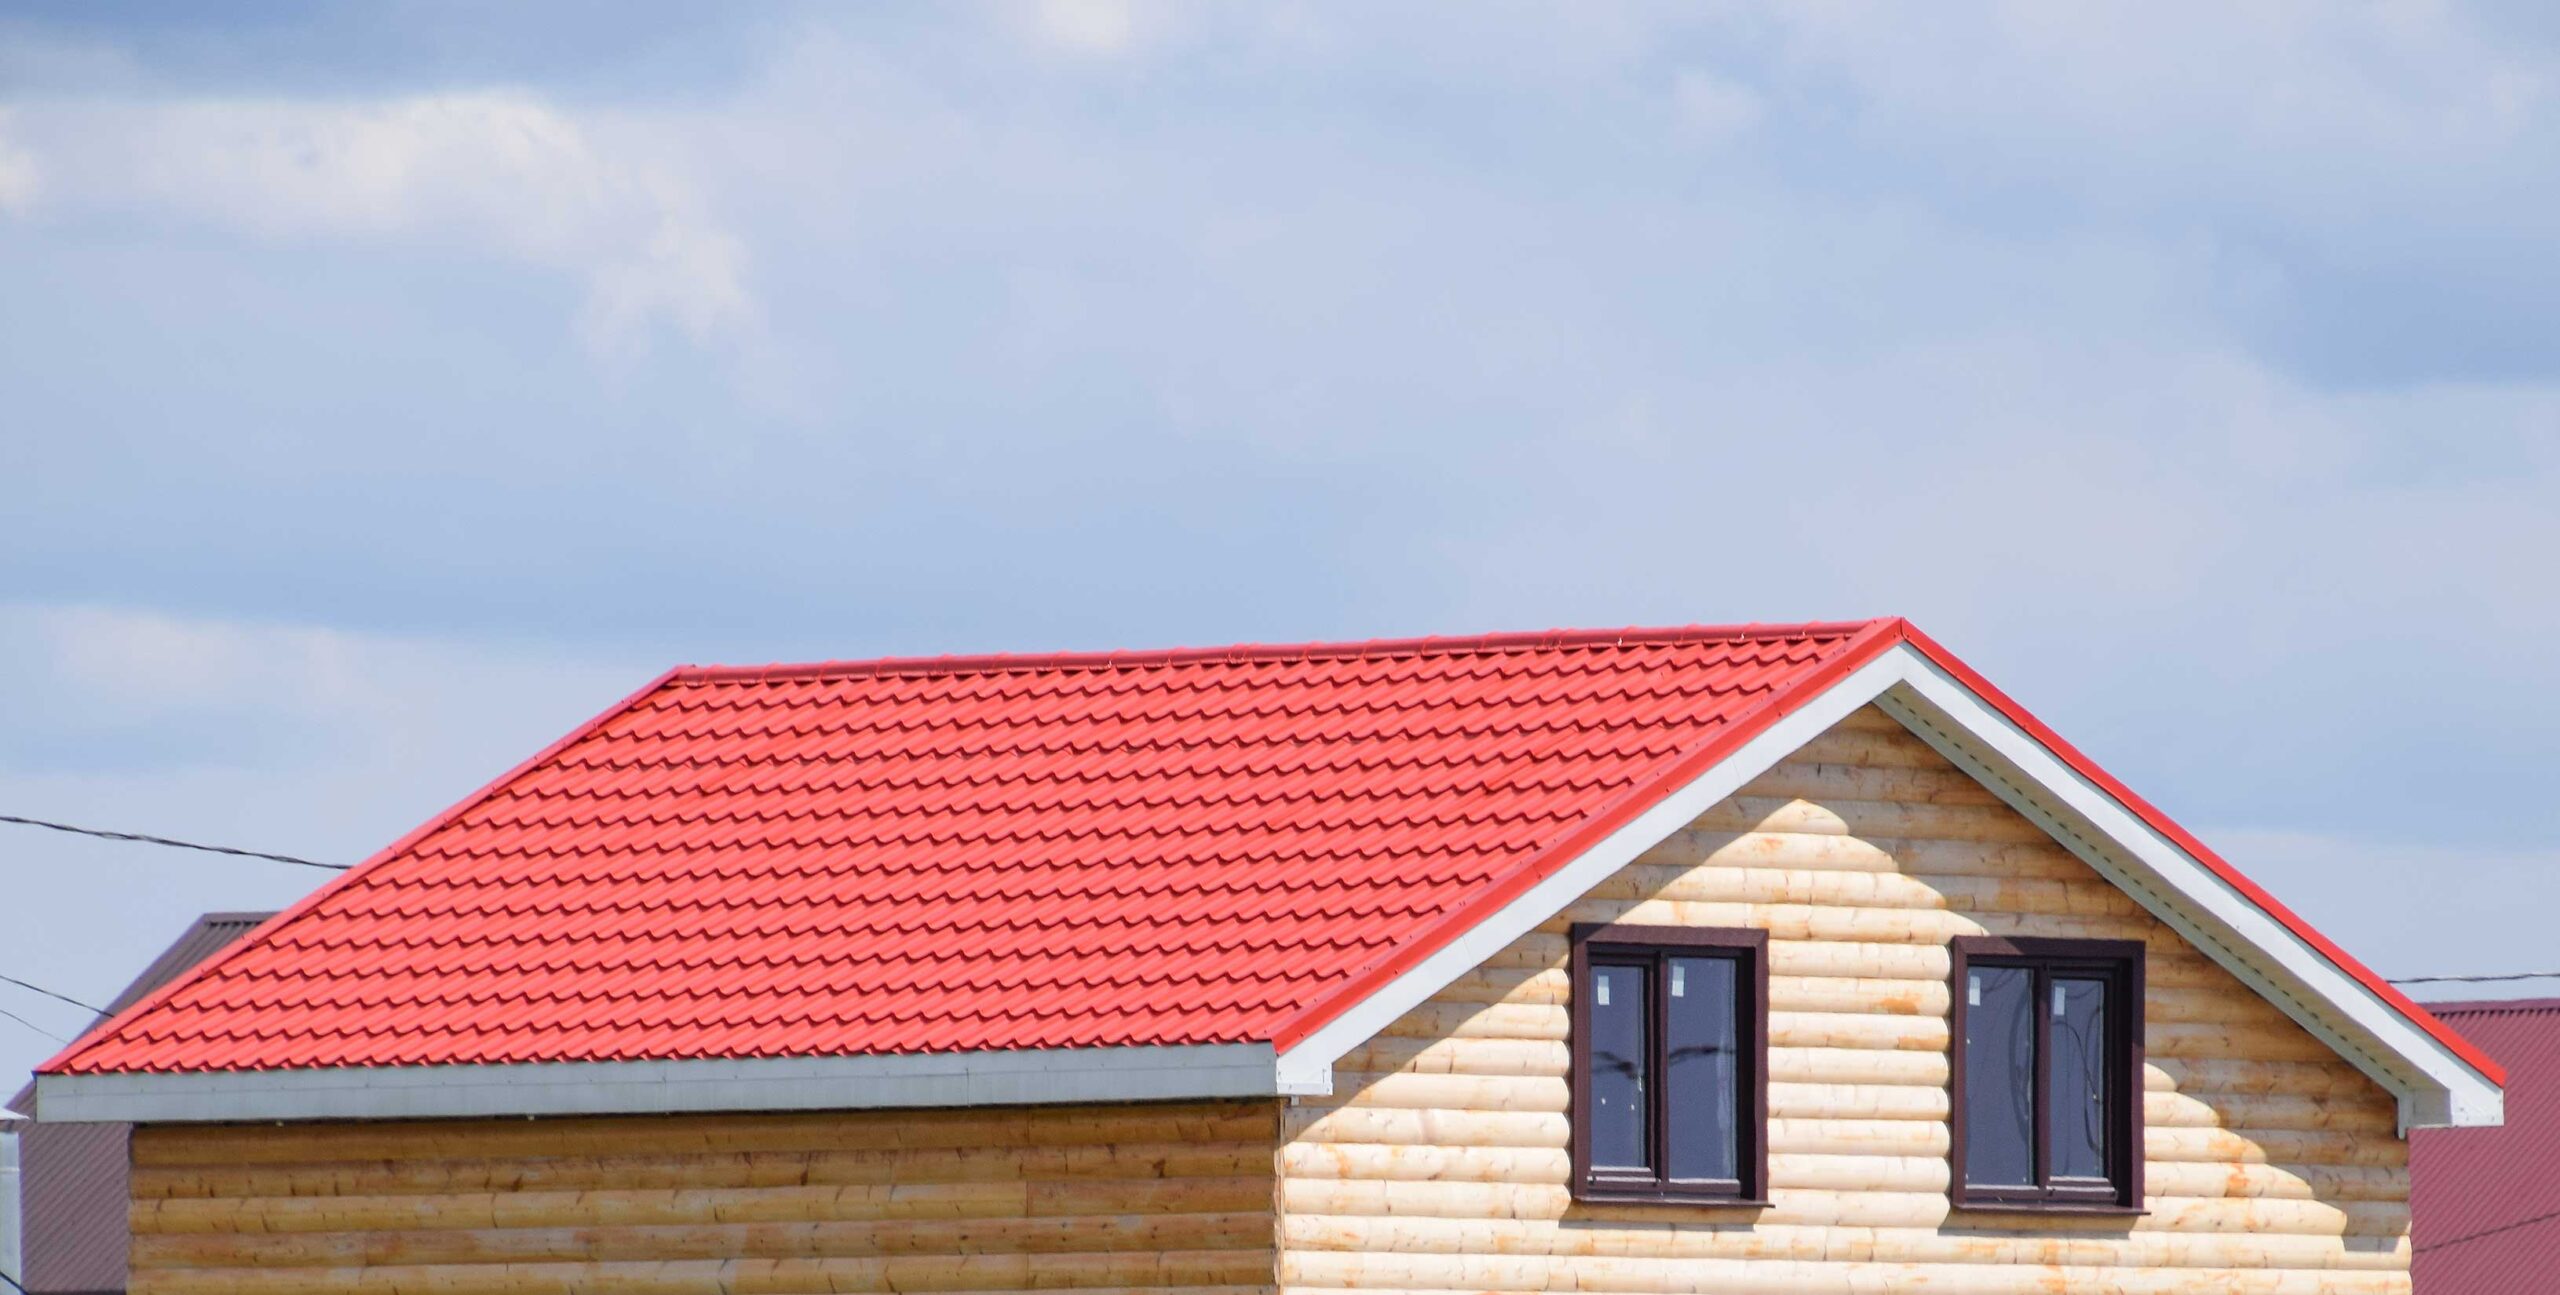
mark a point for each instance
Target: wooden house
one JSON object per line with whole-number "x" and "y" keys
{"x": 1763, "y": 959}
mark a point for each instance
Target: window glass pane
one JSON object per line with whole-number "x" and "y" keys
{"x": 1618, "y": 1059}
{"x": 2076, "y": 1108}
{"x": 1999, "y": 1077}
{"x": 1701, "y": 1070}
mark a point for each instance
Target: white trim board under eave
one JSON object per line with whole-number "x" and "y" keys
{"x": 2435, "y": 1086}
{"x": 1010, "y": 1078}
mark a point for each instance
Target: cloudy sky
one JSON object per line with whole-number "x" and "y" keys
{"x": 384, "y": 389}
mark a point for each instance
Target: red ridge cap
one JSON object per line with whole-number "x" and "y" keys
{"x": 1240, "y": 653}
{"x": 1870, "y": 641}
{"x": 97, "y": 1032}
{"x": 2187, "y": 841}
{"x": 2492, "y": 1007}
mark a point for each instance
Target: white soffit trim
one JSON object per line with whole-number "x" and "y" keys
{"x": 2435, "y": 1086}
{"x": 1307, "y": 1068}
{"x": 1028, "y": 1076}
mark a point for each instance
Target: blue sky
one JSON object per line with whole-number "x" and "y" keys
{"x": 385, "y": 388}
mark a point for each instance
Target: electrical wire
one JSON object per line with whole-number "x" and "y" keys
{"x": 66, "y": 998}
{"x": 32, "y": 1026}
{"x": 170, "y": 841}
{"x": 2474, "y": 980}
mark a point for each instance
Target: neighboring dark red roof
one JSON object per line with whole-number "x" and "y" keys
{"x": 954, "y": 854}
{"x": 2485, "y": 1203}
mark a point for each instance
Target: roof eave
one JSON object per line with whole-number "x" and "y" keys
{"x": 871, "y": 1082}
{"x": 2439, "y": 1078}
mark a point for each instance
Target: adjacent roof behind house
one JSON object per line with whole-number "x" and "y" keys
{"x": 972, "y": 853}
{"x": 206, "y": 936}
{"x": 2485, "y": 1203}
{"x": 74, "y": 1178}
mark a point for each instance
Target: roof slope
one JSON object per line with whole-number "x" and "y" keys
{"x": 982, "y": 853}
{"x": 2485, "y": 1204}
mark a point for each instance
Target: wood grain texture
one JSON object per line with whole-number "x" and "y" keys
{"x": 1121, "y": 1198}
{"x": 1441, "y": 1163}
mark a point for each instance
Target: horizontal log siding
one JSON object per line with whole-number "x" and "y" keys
{"x": 1166, "y": 1199}
{"x": 1441, "y": 1163}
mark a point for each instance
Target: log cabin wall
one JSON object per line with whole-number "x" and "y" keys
{"x": 1441, "y": 1163}
{"x": 1168, "y": 1199}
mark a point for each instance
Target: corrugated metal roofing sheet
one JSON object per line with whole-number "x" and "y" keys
{"x": 948, "y": 854}
{"x": 2486, "y": 1202}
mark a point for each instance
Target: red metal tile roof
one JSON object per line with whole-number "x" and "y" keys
{"x": 2485, "y": 1203}
{"x": 948, "y": 854}
{"x": 1215, "y": 845}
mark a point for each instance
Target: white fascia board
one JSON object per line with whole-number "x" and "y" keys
{"x": 1007, "y": 1078}
{"x": 1307, "y": 1067}
{"x": 2435, "y": 1086}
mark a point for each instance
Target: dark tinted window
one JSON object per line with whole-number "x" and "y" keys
{"x": 2048, "y": 1073}
{"x": 2076, "y": 1107}
{"x": 1702, "y": 1071}
{"x": 1669, "y": 1089}
{"x": 1620, "y": 1138}
{"x": 1999, "y": 1077}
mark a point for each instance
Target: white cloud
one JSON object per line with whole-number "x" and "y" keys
{"x": 501, "y": 172}
{"x": 1101, "y": 27}
{"x": 143, "y": 664}
{"x": 145, "y": 686}
{"x": 1713, "y": 106}
{"x": 2322, "y": 117}
{"x": 297, "y": 739}
{"x": 18, "y": 181}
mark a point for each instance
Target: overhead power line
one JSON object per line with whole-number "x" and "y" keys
{"x": 162, "y": 840}
{"x": 2474, "y": 980}
{"x": 32, "y": 1026}
{"x": 50, "y": 994}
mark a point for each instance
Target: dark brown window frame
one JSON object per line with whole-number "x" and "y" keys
{"x": 2120, "y": 963}
{"x": 1620, "y": 943}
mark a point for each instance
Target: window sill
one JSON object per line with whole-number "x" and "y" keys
{"x": 1684, "y": 1200}
{"x": 2081, "y": 1209}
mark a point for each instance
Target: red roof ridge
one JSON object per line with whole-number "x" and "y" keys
{"x": 1345, "y": 649}
{"x": 2492, "y": 1006}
